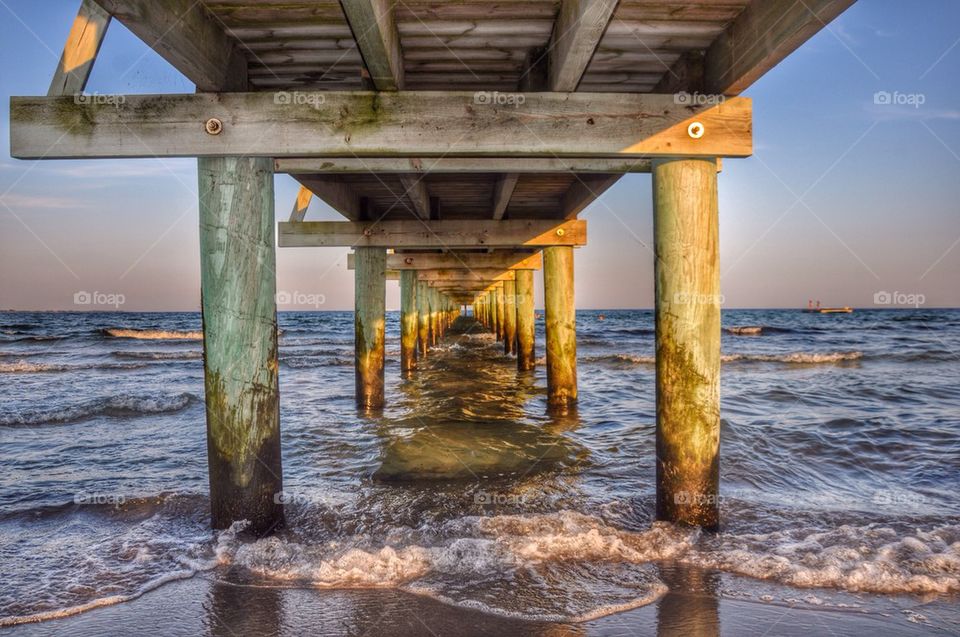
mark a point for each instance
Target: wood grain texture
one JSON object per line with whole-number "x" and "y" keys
{"x": 561, "y": 327}
{"x": 687, "y": 316}
{"x": 442, "y": 234}
{"x": 369, "y": 326}
{"x": 187, "y": 37}
{"x": 238, "y": 300}
{"x": 408, "y": 322}
{"x": 526, "y": 354}
{"x": 80, "y": 50}
{"x": 363, "y": 124}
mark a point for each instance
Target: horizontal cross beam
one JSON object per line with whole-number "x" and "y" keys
{"x": 466, "y": 276}
{"x": 427, "y": 165}
{"x": 513, "y": 233}
{"x": 364, "y": 124}
{"x": 499, "y": 260}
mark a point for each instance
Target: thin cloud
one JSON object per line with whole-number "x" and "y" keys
{"x": 19, "y": 202}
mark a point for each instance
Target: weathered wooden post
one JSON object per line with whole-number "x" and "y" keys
{"x": 434, "y": 302}
{"x": 561, "y": 326}
{"x": 408, "y": 321}
{"x": 526, "y": 357}
{"x": 238, "y": 300}
{"x": 687, "y": 270}
{"x": 423, "y": 317}
{"x": 370, "y": 306}
{"x": 509, "y": 317}
{"x": 500, "y": 312}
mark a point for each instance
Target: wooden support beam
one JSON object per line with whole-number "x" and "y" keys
{"x": 416, "y": 190}
{"x": 450, "y": 234}
{"x": 188, "y": 37}
{"x": 526, "y": 356}
{"x": 561, "y": 327}
{"x": 576, "y": 35}
{"x": 364, "y": 124}
{"x": 464, "y": 276}
{"x": 498, "y": 295}
{"x": 431, "y": 165}
{"x": 687, "y": 315}
{"x": 423, "y": 318}
{"x": 337, "y": 194}
{"x": 369, "y": 326}
{"x": 497, "y": 260}
{"x": 375, "y": 31}
{"x": 238, "y": 298}
{"x": 304, "y": 195}
{"x": 502, "y": 193}
{"x": 584, "y": 191}
{"x": 510, "y": 317}
{"x": 408, "y": 322}
{"x": 759, "y": 38}
{"x": 80, "y": 51}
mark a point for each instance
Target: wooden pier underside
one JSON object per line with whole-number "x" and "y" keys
{"x": 458, "y": 140}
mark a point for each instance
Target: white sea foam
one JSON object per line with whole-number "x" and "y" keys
{"x": 795, "y": 358}
{"x": 152, "y": 335}
{"x": 122, "y": 405}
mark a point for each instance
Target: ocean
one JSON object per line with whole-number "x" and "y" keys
{"x": 465, "y": 503}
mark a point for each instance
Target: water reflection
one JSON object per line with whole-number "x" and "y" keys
{"x": 691, "y": 608}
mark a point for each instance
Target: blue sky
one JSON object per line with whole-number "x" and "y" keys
{"x": 843, "y": 198}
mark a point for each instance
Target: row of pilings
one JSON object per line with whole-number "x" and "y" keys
{"x": 238, "y": 283}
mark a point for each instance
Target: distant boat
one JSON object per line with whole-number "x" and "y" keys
{"x": 816, "y": 309}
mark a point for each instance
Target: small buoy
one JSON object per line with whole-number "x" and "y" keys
{"x": 601, "y": 317}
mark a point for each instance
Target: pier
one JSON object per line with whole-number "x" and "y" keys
{"x": 460, "y": 142}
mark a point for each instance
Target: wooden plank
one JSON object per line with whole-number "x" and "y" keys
{"x": 583, "y": 192}
{"x": 301, "y": 204}
{"x": 336, "y": 194}
{"x": 378, "y": 125}
{"x": 502, "y": 193}
{"x": 187, "y": 37}
{"x": 428, "y": 165}
{"x": 446, "y": 234}
{"x": 497, "y": 260}
{"x": 765, "y": 33}
{"x": 577, "y": 33}
{"x": 416, "y": 191}
{"x": 80, "y": 51}
{"x": 466, "y": 276}
{"x": 375, "y": 31}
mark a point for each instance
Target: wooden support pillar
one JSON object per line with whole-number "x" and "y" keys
{"x": 434, "y": 299}
{"x": 500, "y": 313}
{"x": 238, "y": 300}
{"x": 509, "y": 317}
{"x": 687, "y": 270}
{"x": 561, "y": 323}
{"x": 423, "y": 318}
{"x": 370, "y": 306}
{"x": 526, "y": 357}
{"x": 408, "y": 321}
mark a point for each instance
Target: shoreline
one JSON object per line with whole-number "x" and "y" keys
{"x": 699, "y": 602}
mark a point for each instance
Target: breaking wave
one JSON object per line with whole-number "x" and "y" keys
{"x": 152, "y": 335}
{"x": 117, "y": 406}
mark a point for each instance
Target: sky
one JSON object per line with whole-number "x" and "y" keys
{"x": 845, "y": 200}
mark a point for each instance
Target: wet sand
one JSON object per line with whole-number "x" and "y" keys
{"x": 208, "y": 605}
